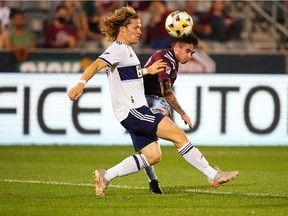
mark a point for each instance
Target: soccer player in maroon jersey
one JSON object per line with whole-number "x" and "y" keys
{"x": 158, "y": 88}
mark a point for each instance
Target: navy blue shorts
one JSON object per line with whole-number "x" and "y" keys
{"x": 142, "y": 125}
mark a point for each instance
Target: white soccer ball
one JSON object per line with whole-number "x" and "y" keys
{"x": 179, "y": 24}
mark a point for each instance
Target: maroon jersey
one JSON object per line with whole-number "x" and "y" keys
{"x": 52, "y": 33}
{"x": 151, "y": 82}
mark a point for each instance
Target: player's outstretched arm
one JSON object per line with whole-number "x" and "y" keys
{"x": 76, "y": 92}
{"x": 155, "y": 68}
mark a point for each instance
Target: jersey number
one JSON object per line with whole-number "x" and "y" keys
{"x": 139, "y": 71}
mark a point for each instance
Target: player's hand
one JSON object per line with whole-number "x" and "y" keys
{"x": 157, "y": 67}
{"x": 187, "y": 120}
{"x": 75, "y": 92}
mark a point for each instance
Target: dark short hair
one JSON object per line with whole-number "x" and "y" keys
{"x": 59, "y": 7}
{"x": 15, "y": 12}
{"x": 190, "y": 39}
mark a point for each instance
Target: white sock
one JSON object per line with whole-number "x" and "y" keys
{"x": 194, "y": 157}
{"x": 128, "y": 166}
{"x": 149, "y": 170}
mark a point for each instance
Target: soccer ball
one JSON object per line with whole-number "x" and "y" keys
{"x": 179, "y": 24}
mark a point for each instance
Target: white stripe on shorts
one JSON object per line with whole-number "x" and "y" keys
{"x": 140, "y": 116}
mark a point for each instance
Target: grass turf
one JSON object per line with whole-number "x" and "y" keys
{"x": 31, "y": 176}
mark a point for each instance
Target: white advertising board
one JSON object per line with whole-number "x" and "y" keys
{"x": 225, "y": 110}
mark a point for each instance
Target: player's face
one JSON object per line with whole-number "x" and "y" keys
{"x": 183, "y": 52}
{"x": 132, "y": 31}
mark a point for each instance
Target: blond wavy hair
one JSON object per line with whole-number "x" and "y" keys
{"x": 113, "y": 22}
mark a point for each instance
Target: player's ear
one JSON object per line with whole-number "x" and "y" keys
{"x": 122, "y": 29}
{"x": 176, "y": 47}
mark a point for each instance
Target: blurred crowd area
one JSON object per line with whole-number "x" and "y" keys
{"x": 77, "y": 24}
{"x": 220, "y": 25}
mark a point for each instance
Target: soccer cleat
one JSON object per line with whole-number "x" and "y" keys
{"x": 222, "y": 177}
{"x": 154, "y": 187}
{"x": 100, "y": 182}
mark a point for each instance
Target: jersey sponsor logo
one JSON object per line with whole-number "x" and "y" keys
{"x": 168, "y": 70}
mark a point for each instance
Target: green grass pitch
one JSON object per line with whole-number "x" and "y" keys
{"x": 57, "y": 180}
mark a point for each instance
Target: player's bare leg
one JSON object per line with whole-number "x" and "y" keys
{"x": 168, "y": 130}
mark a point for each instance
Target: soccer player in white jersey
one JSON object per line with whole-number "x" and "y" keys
{"x": 125, "y": 78}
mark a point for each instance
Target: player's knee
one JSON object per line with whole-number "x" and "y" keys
{"x": 157, "y": 159}
{"x": 154, "y": 159}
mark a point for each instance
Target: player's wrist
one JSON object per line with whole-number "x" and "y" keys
{"x": 82, "y": 81}
{"x": 144, "y": 71}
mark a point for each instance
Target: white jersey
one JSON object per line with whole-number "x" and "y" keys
{"x": 4, "y": 16}
{"x": 125, "y": 79}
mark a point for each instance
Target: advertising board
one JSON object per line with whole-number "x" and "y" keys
{"x": 225, "y": 110}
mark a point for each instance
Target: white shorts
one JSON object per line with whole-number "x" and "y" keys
{"x": 157, "y": 103}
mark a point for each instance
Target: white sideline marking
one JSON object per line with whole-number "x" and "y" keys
{"x": 66, "y": 183}
{"x": 238, "y": 194}
{"x": 136, "y": 187}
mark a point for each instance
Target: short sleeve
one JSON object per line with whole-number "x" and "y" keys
{"x": 112, "y": 55}
{"x": 165, "y": 75}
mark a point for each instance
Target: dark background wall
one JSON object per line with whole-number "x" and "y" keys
{"x": 225, "y": 63}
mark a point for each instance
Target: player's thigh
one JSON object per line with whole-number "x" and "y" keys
{"x": 152, "y": 152}
{"x": 168, "y": 130}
